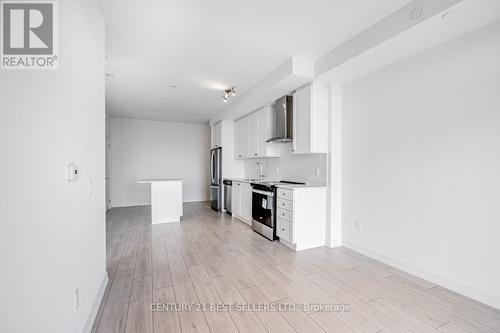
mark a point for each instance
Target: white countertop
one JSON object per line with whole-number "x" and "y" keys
{"x": 288, "y": 186}
{"x": 145, "y": 181}
{"x": 241, "y": 180}
{"x": 299, "y": 186}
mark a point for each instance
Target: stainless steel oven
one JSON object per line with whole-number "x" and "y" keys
{"x": 264, "y": 207}
{"x": 263, "y": 210}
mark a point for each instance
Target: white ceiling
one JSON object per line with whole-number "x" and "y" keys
{"x": 449, "y": 23}
{"x": 205, "y": 46}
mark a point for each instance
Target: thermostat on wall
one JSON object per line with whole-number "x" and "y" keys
{"x": 73, "y": 173}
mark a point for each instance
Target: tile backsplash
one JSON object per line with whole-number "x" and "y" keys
{"x": 310, "y": 168}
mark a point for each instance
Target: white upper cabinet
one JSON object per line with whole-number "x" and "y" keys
{"x": 238, "y": 139}
{"x": 245, "y": 143}
{"x": 310, "y": 120}
{"x": 251, "y": 133}
{"x": 263, "y": 132}
{"x": 216, "y": 135}
{"x": 245, "y": 133}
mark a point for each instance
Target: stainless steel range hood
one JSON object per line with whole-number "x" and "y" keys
{"x": 282, "y": 130}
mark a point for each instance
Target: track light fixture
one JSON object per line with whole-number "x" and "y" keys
{"x": 228, "y": 93}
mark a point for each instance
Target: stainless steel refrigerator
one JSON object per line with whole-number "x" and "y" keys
{"x": 216, "y": 179}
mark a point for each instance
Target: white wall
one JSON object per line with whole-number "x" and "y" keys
{"x": 421, "y": 164}
{"x": 143, "y": 149}
{"x": 298, "y": 168}
{"x": 52, "y": 233}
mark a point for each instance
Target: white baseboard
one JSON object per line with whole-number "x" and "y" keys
{"x": 196, "y": 200}
{"x": 129, "y": 204}
{"x": 456, "y": 286}
{"x": 137, "y": 204}
{"x": 95, "y": 306}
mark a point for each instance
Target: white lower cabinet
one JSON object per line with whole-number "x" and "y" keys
{"x": 285, "y": 214}
{"x": 242, "y": 201}
{"x": 285, "y": 230}
{"x": 301, "y": 217}
{"x": 236, "y": 199}
{"x": 246, "y": 202}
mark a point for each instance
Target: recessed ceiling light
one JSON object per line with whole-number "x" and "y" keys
{"x": 416, "y": 13}
{"x": 173, "y": 86}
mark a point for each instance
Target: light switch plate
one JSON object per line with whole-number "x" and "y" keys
{"x": 73, "y": 173}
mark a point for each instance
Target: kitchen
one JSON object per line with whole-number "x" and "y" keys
{"x": 279, "y": 201}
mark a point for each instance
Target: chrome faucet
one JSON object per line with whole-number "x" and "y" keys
{"x": 261, "y": 177}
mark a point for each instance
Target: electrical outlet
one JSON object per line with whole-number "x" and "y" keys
{"x": 76, "y": 299}
{"x": 357, "y": 225}
{"x": 317, "y": 172}
{"x": 277, "y": 171}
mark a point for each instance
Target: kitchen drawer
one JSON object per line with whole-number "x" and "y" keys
{"x": 285, "y": 214}
{"x": 285, "y": 230}
{"x": 285, "y": 204}
{"x": 285, "y": 194}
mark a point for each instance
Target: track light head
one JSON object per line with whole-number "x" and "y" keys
{"x": 228, "y": 93}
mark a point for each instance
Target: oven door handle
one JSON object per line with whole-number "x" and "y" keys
{"x": 269, "y": 194}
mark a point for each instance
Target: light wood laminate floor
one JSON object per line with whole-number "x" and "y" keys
{"x": 210, "y": 258}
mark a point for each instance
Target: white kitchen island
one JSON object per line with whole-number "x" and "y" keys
{"x": 166, "y": 200}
